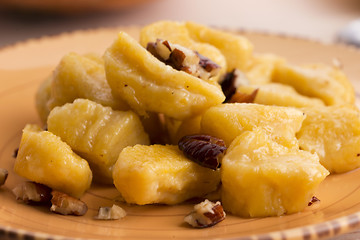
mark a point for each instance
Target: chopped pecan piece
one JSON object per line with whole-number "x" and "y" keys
{"x": 207, "y": 64}
{"x": 205, "y": 214}
{"x": 15, "y": 153}
{"x": 313, "y": 201}
{"x": 111, "y": 213}
{"x": 159, "y": 50}
{"x": 205, "y": 150}
{"x": 231, "y": 82}
{"x": 239, "y": 97}
{"x": 3, "y": 176}
{"x": 208, "y": 68}
{"x": 67, "y": 205}
{"x": 183, "y": 59}
{"x": 32, "y": 193}
{"x": 176, "y": 60}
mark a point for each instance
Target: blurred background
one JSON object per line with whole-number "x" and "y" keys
{"x": 313, "y": 19}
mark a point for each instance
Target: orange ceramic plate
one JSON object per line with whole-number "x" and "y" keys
{"x": 24, "y": 65}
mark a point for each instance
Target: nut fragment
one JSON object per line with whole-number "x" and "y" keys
{"x": 160, "y": 51}
{"x": 32, "y": 193}
{"x": 15, "y": 153}
{"x": 205, "y": 150}
{"x": 231, "y": 82}
{"x": 205, "y": 214}
{"x": 110, "y": 213}
{"x": 208, "y": 65}
{"x": 3, "y": 176}
{"x": 239, "y": 97}
{"x": 67, "y": 205}
{"x": 207, "y": 68}
{"x": 183, "y": 59}
{"x": 177, "y": 59}
{"x": 313, "y": 201}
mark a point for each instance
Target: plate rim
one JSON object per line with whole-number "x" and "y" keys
{"x": 327, "y": 229}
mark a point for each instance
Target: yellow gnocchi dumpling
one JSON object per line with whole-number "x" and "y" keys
{"x": 161, "y": 174}
{"x": 237, "y": 49}
{"x": 279, "y": 95}
{"x": 97, "y": 133}
{"x": 176, "y": 129}
{"x": 149, "y": 85}
{"x": 262, "y": 178}
{"x": 227, "y": 121}
{"x": 44, "y": 158}
{"x": 189, "y": 126}
{"x": 334, "y": 134}
{"x": 329, "y": 84}
{"x": 78, "y": 76}
{"x": 261, "y": 68}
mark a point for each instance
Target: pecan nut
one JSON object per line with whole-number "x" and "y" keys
{"x": 32, "y": 193}
{"x": 15, "y": 153}
{"x": 206, "y": 214}
{"x": 207, "y": 68}
{"x": 67, "y": 205}
{"x": 205, "y": 150}
{"x": 231, "y": 81}
{"x": 183, "y": 59}
{"x": 240, "y": 97}
{"x": 111, "y": 213}
{"x": 3, "y": 176}
{"x": 313, "y": 201}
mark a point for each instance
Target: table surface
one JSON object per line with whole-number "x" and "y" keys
{"x": 319, "y": 20}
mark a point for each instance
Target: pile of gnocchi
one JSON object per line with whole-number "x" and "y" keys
{"x": 118, "y": 119}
